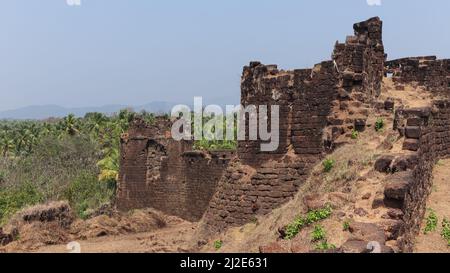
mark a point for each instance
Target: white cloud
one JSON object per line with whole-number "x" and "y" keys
{"x": 374, "y": 2}
{"x": 73, "y": 2}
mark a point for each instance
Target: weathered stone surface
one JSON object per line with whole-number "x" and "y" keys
{"x": 412, "y": 132}
{"x": 404, "y": 162}
{"x": 360, "y": 124}
{"x": 360, "y": 212}
{"x": 338, "y": 199}
{"x": 395, "y": 214}
{"x": 411, "y": 144}
{"x": 5, "y": 238}
{"x": 273, "y": 248}
{"x": 367, "y": 232}
{"x": 299, "y": 247}
{"x": 389, "y": 104}
{"x": 313, "y": 202}
{"x": 383, "y": 163}
{"x": 392, "y": 228}
{"x": 354, "y": 246}
{"x": 378, "y": 202}
{"x": 398, "y": 185}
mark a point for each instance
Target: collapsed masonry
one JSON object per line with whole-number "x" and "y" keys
{"x": 319, "y": 108}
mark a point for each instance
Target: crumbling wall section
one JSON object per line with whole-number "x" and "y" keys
{"x": 314, "y": 106}
{"x": 318, "y": 107}
{"x": 426, "y": 71}
{"x": 258, "y": 182}
{"x": 159, "y": 172}
{"x": 427, "y": 138}
{"x": 361, "y": 59}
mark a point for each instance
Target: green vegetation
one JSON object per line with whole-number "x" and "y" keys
{"x": 446, "y": 230}
{"x": 324, "y": 245}
{"x": 301, "y": 222}
{"x": 346, "y": 226}
{"x": 355, "y": 134}
{"x": 328, "y": 165}
{"x": 318, "y": 234}
{"x": 215, "y": 145}
{"x": 210, "y": 142}
{"x": 12, "y": 199}
{"x": 379, "y": 125}
{"x": 440, "y": 163}
{"x": 218, "y": 244}
{"x": 75, "y": 159}
{"x": 85, "y": 192}
{"x": 431, "y": 222}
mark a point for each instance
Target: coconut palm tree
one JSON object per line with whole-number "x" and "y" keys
{"x": 6, "y": 145}
{"x": 70, "y": 125}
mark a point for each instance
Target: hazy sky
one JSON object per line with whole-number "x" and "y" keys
{"x": 137, "y": 51}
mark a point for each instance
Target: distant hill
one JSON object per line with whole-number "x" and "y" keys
{"x": 47, "y": 111}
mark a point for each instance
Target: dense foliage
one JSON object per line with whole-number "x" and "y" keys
{"x": 210, "y": 141}
{"x": 75, "y": 159}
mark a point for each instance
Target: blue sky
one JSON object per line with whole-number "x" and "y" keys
{"x": 137, "y": 51}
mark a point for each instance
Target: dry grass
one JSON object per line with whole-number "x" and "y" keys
{"x": 54, "y": 224}
{"x": 412, "y": 96}
{"x": 351, "y": 177}
{"x": 350, "y": 161}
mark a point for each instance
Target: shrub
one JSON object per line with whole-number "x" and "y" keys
{"x": 86, "y": 192}
{"x": 379, "y": 124}
{"x": 446, "y": 230}
{"x": 318, "y": 234}
{"x": 324, "y": 245}
{"x": 346, "y": 226}
{"x": 14, "y": 199}
{"x": 214, "y": 145}
{"x": 318, "y": 215}
{"x": 2, "y": 176}
{"x": 355, "y": 134}
{"x": 59, "y": 169}
{"x": 218, "y": 244}
{"x": 295, "y": 227}
{"x": 328, "y": 165}
{"x": 431, "y": 222}
{"x": 301, "y": 222}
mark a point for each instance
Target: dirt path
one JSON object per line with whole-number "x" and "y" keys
{"x": 439, "y": 202}
{"x": 170, "y": 239}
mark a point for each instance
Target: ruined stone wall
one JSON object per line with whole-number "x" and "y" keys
{"x": 167, "y": 175}
{"x": 427, "y": 137}
{"x": 426, "y": 71}
{"x": 305, "y": 99}
{"x": 316, "y": 108}
{"x": 257, "y": 182}
{"x": 361, "y": 59}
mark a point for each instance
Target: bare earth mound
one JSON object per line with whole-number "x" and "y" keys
{"x": 38, "y": 227}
